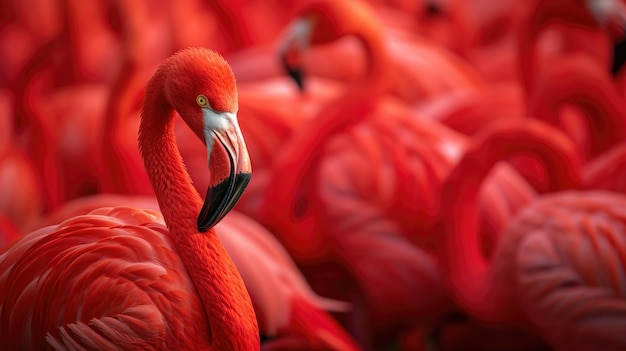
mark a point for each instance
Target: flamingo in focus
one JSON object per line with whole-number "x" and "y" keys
{"x": 558, "y": 268}
{"x": 168, "y": 287}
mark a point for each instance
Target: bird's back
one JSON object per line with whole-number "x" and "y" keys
{"x": 111, "y": 277}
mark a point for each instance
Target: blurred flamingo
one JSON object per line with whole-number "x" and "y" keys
{"x": 61, "y": 122}
{"x": 124, "y": 169}
{"x": 93, "y": 42}
{"x": 202, "y": 294}
{"x": 26, "y": 25}
{"x": 557, "y": 269}
{"x": 603, "y": 20}
{"x": 21, "y": 202}
{"x": 35, "y": 133}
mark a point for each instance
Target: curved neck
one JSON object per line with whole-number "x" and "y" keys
{"x": 542, "y": 14}
{"x": 126, "y": 173}
{"x": 295, "y": 169}
{"x": 84, "y": 24}
{"x": 32, "y": 115}
{"x": 471, "y": 278}
{"x": 235, "y": 22}
{"x": 221, "y": 290}
{"x": 580, "y": 82}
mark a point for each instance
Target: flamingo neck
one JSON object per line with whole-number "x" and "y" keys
{"x": 221, "y": 290}
{"x": 234, "y": 20}
{"x": 473, "y": 281}
{"x": 32, "y": 113}
{"x": 295, "y": 170}
{"x": 84, "y": 23}
{"x": 581, "y": 82}
{"x": 126, "y": 174}
{"x": 542, "y": 14}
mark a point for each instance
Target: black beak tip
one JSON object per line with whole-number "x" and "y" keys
{"x": 297, "y": 76}
{"x": 203, "y": 227}
{"x": 220, "y": 199}
{"x": 619, "y": 56}
{"x": 295, "y": 73}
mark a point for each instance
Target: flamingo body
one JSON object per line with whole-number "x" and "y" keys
{"x": 106, "y": 273}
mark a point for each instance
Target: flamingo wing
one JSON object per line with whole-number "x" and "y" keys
{"x": 111, "y": 277}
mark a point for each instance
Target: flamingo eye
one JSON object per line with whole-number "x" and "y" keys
{"x": 202, "y": 100}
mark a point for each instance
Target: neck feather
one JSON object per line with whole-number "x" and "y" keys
{"x": 226, "y": 302}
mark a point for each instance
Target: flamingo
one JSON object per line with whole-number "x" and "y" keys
{"x": 170, "y": 287}
{"x": 94, "y": 47}
{"x": 125, "y": 173}
{"x": 557, "y": 269}
{"x": 606, "y": 18}
{"x": 25, "y": 26}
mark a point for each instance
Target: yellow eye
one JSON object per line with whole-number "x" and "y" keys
{"x": 202, "y": 100}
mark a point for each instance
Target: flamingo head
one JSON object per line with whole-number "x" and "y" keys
{"x": 610, "y": 14}
{"x": 320, "y": 22}
{"x": 204, "y": 93}
{"x": 293, "y": 47}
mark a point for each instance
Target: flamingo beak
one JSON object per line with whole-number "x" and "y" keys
{"x": 292, "y": 48}
{"x": 229, "y": 164}
{"x": 294, "y": 71}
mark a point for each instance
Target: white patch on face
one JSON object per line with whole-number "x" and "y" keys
{"x": 217, "y": 121}
{"x": 603, "y": 9}
{"x": 298, "y": 33}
